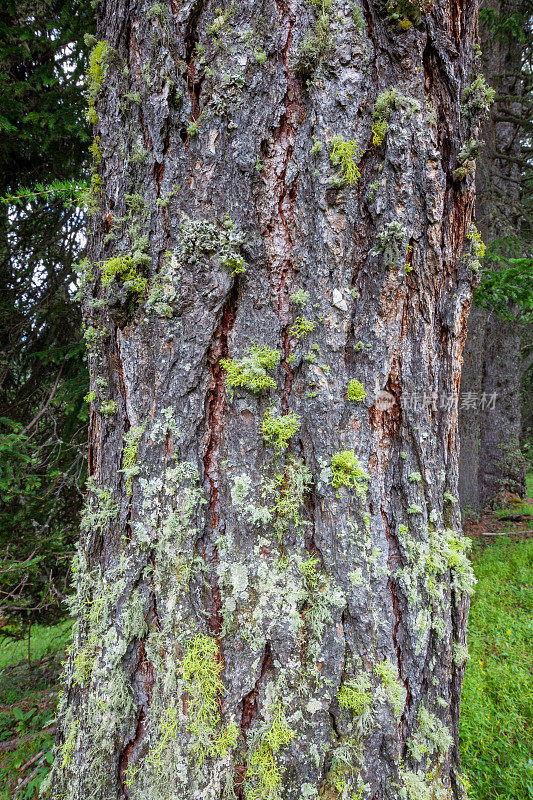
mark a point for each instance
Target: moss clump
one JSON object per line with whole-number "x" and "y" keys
{"x": 302, "y": 327}
{"x": 201, "y": 669}
{"x": 123, "y": 269}
{"x": 355, "y": 391}
{"x": 264, "y": 777}
{"x": 96, "y": 72}
{"x": 342, "y": 155}
{"x": 251, "y": 371}
{"x": 346, "y": 471}
{"x": 278, "y": 429}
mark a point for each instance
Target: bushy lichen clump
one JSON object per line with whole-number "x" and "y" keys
{"x": 317, "y": 45}
{"x": 346, "y": 471}
{"x": 251, "y": 371}
{"x": 108, "y": 408}
{"x": 379, "y": 131}
{"x": 355, "y": 391}
{"x": 479, "y": 96}
{"x": 200, "y": 238}
{"x": 395, "y": 692}
{"x": 96, "y": 72}
{"x": 199, "y": 241}
{"x": 264, "y": 777}
{"x": 343, "y": 155}
{"x": 479, "y": 248}
{"x": 100, "y": 508}
{"x": 123, "y": 269}
{"x": 299, "y": 297}
{"x": 390, "y": 239}
{"x": 431, "y": 736}
{"x": 129, "y": 454}
{"x": 360, "y": 697}
{"x": 429, "y": 563}
{"x": 302, "y": 327}
{"x": 281, "y": 497}
{"x": 289, "y": 487}
{"x": 388, "y": 101}
{"x": 419, "y": 786}
{"x": 408, "y": 12}
{"x": 355, "y": 694}
{"x": 467, "y": 159}
{"x": 278, "y": 429}
{"x": 201, "y": 669}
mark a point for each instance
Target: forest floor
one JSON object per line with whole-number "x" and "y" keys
{"x": 496, "y": 719}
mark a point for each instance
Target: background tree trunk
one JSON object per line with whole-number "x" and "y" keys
{"x": 491, "y": 426}
{"x": 254, "y": 621}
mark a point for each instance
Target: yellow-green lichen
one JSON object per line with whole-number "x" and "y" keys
{"x": 346, "y": 471}
{"x": 355, "y": 695}
{"x": 123, "y": 269}
{"x": 395, "y": 691}
{"x": 301, "y": 327}
{"x": 96, "y": 72}
{"x": 355, "y": 391}
{"x": 129, "y": 454}
{"x": 343, "y": 155}
{"x": 264, "y": 777}
{"x": 278, "y": 429}
{"x": 201, "y": 669}
{"x": 251, "y": 371}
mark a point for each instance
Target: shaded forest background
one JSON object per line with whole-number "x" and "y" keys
{"x": 45, "y": 165}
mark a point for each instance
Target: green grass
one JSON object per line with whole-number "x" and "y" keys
{"x": 529, "y": 484}
{"x": 28, "y": 697}
{"x": 497, "y": 696}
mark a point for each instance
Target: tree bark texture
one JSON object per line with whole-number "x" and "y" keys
{"x": 272, "y": 586}
{"x": 493, "y": 347}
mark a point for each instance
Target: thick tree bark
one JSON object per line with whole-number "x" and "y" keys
{"x": 491, "y": 426}
{"x": 256, "y": 621}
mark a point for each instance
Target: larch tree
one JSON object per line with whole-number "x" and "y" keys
{"x": 490, "y": 417}
{"x": 272, "y": 585}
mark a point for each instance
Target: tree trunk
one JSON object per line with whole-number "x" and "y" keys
{"x": 469, "y": 412}
{"x": 272, "y": 587}
{"x": 492, "y": 425}
{"x": 502, "y": 465}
